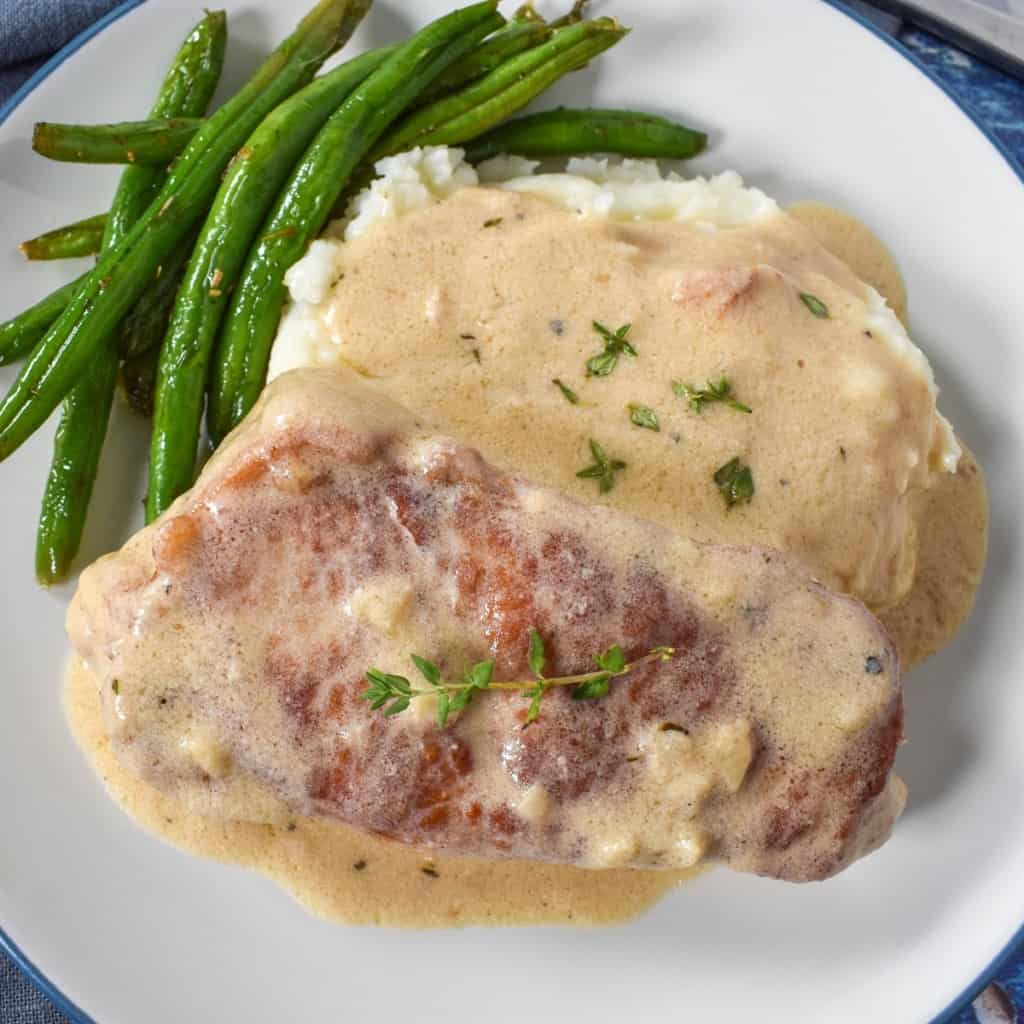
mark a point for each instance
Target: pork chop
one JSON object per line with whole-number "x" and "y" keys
{"x": 231, "y": 641}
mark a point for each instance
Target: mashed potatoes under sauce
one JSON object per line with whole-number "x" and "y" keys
{"x": 468, "y": 303}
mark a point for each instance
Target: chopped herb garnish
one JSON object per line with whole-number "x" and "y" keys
{"x": 616, "y": 343}
{"x": 716, "y": 391}
{"x": 536, "y": 659}
{"x": 476, "y": 354}
{"x": 644, "y": 416}
{"x": 493, "y": 222}
{"x": 568, "y": 393}
{"x": 735, "y": 481}
{"x": 815, "y": 305}
{"x": 387, "y": 691}
{"x": 116, "y": 686}
{"x": 603, "y": 470}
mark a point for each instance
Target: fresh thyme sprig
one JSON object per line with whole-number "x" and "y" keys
{"x": 716, "y": 391}
{"x": 603, "y": 469}
{"x": 616, "y": 343}
{"x": 392, "y": 694}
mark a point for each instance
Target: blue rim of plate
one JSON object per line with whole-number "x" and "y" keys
{"x": 29, "y": 969}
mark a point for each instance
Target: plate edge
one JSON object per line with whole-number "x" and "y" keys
{"x": 1016, "y": 940}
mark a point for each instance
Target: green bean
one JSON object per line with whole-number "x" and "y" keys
{"x": 565, "y": 132}
{"x": 493, "y": 106}
{"x": 159, "y": 141}
{"x": 82, "y": 238}
{"x": 76, "y": 455}
{"x": 250, "y": 186}
{"x": 124, "y": 271}
{"x": 517, "y": 81}
{"x": 513, "y": 38}
{"x": 78, "y": 442}
{"x": 129, "y": 142}
{"x": 493, "y": 103}
{"x": 186, "y": 93}
{"x": 145, "y": 326}
{"x": 138, "y": 381}
{"x": 19, "y": 335}
{"x": 315, "y": 184}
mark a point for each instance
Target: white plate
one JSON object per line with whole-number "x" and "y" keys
{"x": 806, "y": 103}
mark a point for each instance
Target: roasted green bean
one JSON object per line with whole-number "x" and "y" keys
{"x": 513, "y": 38}
{"x": 19, "y": 335}
{"x": 511, "y": 86}
{"x": 78, "y": 443}
{"x": 145, "y": 326}
{"x": 565, "y": 132}
{"x": 303, "y": 207}
{"x": 138, "y": 381}
{"x": 82, "y": 238}
{"x": 76, "y": 454}
{"x": 156, "y": 141}
{"x": 250, "y": 186}
{"x": 123, "y": 272}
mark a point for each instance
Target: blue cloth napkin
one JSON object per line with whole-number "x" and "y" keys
{"x": 31, "y": 30}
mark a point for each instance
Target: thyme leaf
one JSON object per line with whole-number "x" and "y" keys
{"x": 428, "y": 669}
{"x": 537, "y": 657}
{"x": 815, "y": 305}
{"x": 570, "y": 396}
{"x": 644, "y": 416}
{"x": 735, "y": 481}
{"x": 602, "y": 470}
{"x": 719, "y": 390}
{"x": 616, "y": 343}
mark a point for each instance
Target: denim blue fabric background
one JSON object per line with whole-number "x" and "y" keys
{"x": 31, "y": 30}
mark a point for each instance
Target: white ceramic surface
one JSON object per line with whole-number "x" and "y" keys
{"x": 805, "y": 103}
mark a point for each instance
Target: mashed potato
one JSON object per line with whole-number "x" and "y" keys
{"x": 464, "y": 293}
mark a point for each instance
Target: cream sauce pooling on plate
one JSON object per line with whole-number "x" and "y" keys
{"x": 348, "y": 876}
{"x": 952, "y": 516}
{"x": 233, "y": 637}
{"x": 466, "y": 311}
{"x": 858, "y": 247}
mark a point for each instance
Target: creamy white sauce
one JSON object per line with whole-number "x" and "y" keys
{"x": 435, "y": 288}
{"x": 630, "y": 190}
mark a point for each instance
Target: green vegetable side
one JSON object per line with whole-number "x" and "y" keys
{"x": 184, "y": 300}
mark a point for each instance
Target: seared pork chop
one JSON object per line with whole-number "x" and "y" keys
{"x": 330, "y": 533}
